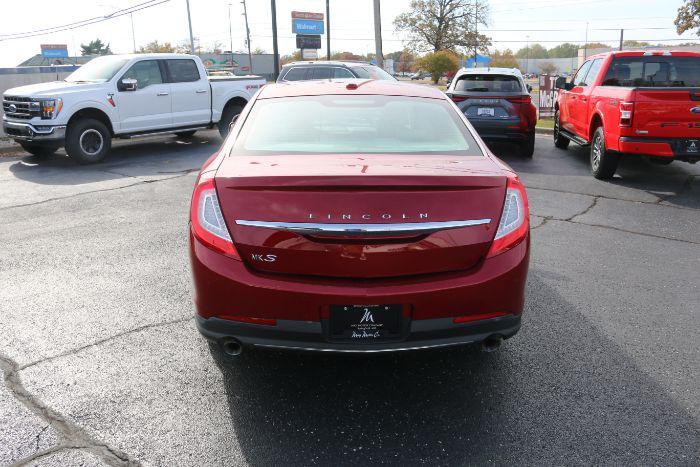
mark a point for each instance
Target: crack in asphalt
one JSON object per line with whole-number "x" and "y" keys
{"x": 653, "y": 203}
{"x": 106, "y": 339}
{"x": 585, "y": 211}
{"x": 75, "y": 195}
{"x": 71, "y": 436}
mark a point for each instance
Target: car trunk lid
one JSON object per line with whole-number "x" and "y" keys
{"x": 361, "y": 216}
{"x": 667, "y": 112}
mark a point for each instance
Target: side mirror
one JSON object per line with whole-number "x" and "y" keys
{"x": 529, "y": 88}
{"x": 128, "y": 84}
{"x": 560, "y": 83}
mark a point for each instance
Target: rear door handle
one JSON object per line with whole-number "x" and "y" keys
{"x": 162, "y": 94}
{"x": 201, "y": 91}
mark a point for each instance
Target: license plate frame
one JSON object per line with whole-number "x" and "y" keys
{"x": 485, "y": 112}
{"x": 365, "y": 323}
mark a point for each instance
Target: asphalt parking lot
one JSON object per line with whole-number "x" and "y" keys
{"x": 103, "y": 364}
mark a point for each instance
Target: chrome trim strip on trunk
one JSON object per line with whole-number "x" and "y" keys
{"x": 363, "y": 229}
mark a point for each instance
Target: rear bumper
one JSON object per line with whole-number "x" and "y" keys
{"x": 657, "y": 147}
{"x": 21, "y": 131}
{"x": 309, "y": 335}
{"x": 225, "y": 287}
{"x": 506, "y": 130}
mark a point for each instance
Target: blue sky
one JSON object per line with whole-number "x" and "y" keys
{"x": 511, "y": 22}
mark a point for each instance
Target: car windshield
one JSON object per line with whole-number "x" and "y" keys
{"x": 372, "y": 72}
{"x": 98, "y": 70}
{"x": 488, "y": 83}
{"x": 654, "y": 71}
{"x": 354, "y": 124}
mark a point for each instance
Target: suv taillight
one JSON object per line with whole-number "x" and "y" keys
{"x": 515, "y": 219}
{"x": 457, "y": 98}
{"x": 626, "y": 112}
{"x": 520, "y": 99}
{"x": 208, "y": 224}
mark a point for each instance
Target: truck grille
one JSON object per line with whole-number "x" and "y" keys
{"x": 20, "y": 107}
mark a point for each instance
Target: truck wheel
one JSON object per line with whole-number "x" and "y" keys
{"x": 603, "y": 162}
{"x": 527, "y": 147}
{"x": 88, "y": 141}
{"x": 560, "y": 141}
{"x": 230, "y": 111}
{"x": 185, "y": 134}
{"x": 39, "y": 151}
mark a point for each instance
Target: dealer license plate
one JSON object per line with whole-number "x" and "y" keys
{"x": 365, "y": 322}
{"x": 485, "y": 112}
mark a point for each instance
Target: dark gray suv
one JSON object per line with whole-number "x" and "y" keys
{"x": 305, "y": 71}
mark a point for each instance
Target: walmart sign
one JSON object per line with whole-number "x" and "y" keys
{"x": 307, "y": 26}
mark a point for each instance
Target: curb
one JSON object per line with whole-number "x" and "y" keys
{"x": 544, "y": 131}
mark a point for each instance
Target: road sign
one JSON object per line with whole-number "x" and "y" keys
{"x": 54, "y": 50}
{"x": 308, "y": 42}
{"x": 309, "y": 54}
{"x": 307, "y": 15}
{"x": 307, "y": 26}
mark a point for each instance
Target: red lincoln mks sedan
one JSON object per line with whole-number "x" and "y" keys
{"x": 357, "y": 216}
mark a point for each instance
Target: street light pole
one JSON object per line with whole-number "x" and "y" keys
{"x": 527, "y": 54}
{"x": 189, "y": 21}
{"x": 275, "y": 48}
{"x": 247, "y": 33}
{"x": 328, "y": 31}
{"x": 230, "y": 36}
{"x": 133, "y": 33}
{"x": 378, "y": 35}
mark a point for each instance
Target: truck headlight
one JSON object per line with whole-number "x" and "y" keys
{"x": 50, "y": 108}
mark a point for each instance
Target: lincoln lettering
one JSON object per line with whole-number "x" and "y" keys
{"x": 366, "y": 217}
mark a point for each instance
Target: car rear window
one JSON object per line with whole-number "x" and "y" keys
{"x": 361, "y": 124}
{"x": 372, "y": 72}
{"x": 488, "y": 83}
{"x": 183, "y": 70}
{"x": 654, "y": 71}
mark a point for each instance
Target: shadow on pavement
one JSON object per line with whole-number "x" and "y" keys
{"x": 138, "y": 158}
{"x": 560, "y": 392}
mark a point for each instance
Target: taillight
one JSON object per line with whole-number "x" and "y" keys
{"x": 515, "y": 219}
{"x": 457, "y": 98}
{"x": 626, "y": 112}
{"x": 208, "y": 223}
{"x": 520, "y": 99}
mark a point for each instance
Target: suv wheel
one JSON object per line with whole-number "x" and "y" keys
{"x": 560, "y": 141}
{"x": 230, "y": 111}
{"x": 88, "y": 141}
{"x": 603, "y": 162}
{"x": 527, "y": 147}
{"x": 39, "y": 151}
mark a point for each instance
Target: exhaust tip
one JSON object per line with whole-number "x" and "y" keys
{"x": 491, "y": 343}
{"x": 232, "y": 347}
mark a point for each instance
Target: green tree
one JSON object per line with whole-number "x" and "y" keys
{"x": 595, "y": 45}
{"x": 406, "y": 62}
{"x": 156, "y": 47}
{"x": 565, "y": 50}
{"x": 346, "y": 56}
{"x": 439, "y": 63}
{"x": 504, "y": 59}
{"x": 635, "y": 44}
{"x": 548, "y": 68}
{"x": 295, "y": 57}
{"x": 688, "y": 17}
{"x": 532, "y": 51}
{"x": 434, "y": 25}
{"x": 96, "y": 47}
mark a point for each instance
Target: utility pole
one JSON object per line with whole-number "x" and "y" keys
{"x": 247, "y": 33}
{"x": 133, "y": 33}
{"x": 622, "y": 37}
{"x": 275, "y": 50}
{"x": 378, "y": 35}
{"x": 585, "y": 45}
{"x": 328, "y": 31}
{"x": 230, "y": 34}
{"x": 189, "y": 21}
{"x": 527, "y": 54}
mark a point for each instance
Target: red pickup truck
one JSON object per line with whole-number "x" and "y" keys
{"x": 642, "y": 103}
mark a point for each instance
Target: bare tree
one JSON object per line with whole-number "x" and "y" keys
{"x": 434, "y": 25}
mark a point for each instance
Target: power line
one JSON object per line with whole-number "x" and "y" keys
{"x": 85, "y": 22}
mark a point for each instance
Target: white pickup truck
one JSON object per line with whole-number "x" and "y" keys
{"x": 123, "y": 96}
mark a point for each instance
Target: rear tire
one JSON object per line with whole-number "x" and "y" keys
{"x": 185, "y": 134}
{"x": 88, "y": 141}
{"x": 41, "y": 152}
{"x": 527, "y": 147}
{"x": 230, "y": 111}
{"x": 603, "y": 162}
{"x": 560, "y": 141}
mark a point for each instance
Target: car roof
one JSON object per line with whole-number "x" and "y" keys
{"x": 345, "y": 63}
{"x": 489, "y": 71}
{"x": 348, "y": 87}
{"x": 648, "y": 52}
